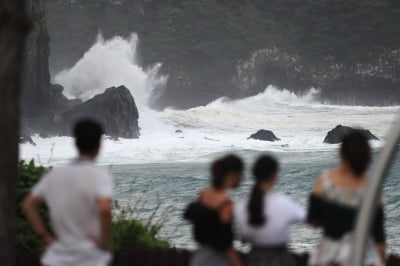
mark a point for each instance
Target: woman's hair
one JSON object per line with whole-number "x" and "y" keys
{"x": 222, "y": 167}
{"x": 356, "y": 151}
{"x": 264, "y": 169}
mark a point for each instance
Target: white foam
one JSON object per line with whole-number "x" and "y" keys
{"x": 110, "y": 63}
{"x": 301, "y": 121}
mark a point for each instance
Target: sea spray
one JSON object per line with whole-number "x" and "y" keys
{"x": 110, "y": 63}
{"x": 114, "y": 62}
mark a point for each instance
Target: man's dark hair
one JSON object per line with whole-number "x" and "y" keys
{"x": 222, "y": 167}
{"x": 87, "y": 133}
{"x": 356, "y": 151}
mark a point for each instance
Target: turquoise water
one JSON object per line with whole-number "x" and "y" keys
{"x": 169, "y": 187}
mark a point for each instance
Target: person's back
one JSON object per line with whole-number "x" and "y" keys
{"x": 71, "y": 193}
{"x": 78, "y": 197}
{"x": 281, "y": 211}
{"x": 264, "y": 218}
{"x": 211, "y": 216}
{"x": 334, "y": 203}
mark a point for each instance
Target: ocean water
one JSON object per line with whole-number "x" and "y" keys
{"x": 174, "y": 185}
{"x": 163, "y": 170}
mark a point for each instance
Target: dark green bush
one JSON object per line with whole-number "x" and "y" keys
{"x": 27, "y": 241}
{"x": 129, "y": 233}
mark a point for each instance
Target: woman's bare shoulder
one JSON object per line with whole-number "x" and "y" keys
{"x": 318, "y": 186}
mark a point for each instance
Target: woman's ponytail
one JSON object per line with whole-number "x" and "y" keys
{"x": 256, "y": 207}
{"x": 264, "y": 170}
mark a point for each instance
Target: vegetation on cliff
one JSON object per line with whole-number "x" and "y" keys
{"x": 349, "y": 31}
{"x": 202, "y": 41}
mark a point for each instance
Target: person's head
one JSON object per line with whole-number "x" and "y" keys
{"x": 265, "y": 169}
{"x": 265, "y": 172}
{"x": 87, "y": 134}
{"x": 227, "y": 172}
{"x": 355, "y": 152}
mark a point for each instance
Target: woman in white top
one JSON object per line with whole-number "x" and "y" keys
{"x": 264, "y": 219}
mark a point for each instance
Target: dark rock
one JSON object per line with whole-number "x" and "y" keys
{"x": 25, "y": 136}
{"x": 26, "y": 139}
{"x": 41, "y": 101}
{"x": 265, "y": 135}
{"x": 39, "y": 97}
{"x": 178, "y": 131}
{"x": 115, "y": 109}
{"x": 207, "y": 138}
{"x": 337, "y": 134}
{"x": 269, "y": 66}
{"x": 112, "y": 138}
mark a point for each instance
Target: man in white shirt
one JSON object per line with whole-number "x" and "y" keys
{"x": 78, "y": 197}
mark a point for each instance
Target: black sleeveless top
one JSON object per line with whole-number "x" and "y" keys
{"x": 208, "y": 228}
{"x": 337, "y": 219}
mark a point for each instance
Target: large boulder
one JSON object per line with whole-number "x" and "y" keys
{"x": 337, "y": 134}
{"x": 115, "y": 109}
{"x": 265, "y": 135}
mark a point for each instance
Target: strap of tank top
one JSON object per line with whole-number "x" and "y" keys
{"x": 221, "y": 205}
{"x": 326, "y": 182}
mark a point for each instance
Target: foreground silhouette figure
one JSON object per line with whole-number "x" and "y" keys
{"x": 334, "y": 202}
{"x": 264, "y": 218}
{"x": 79, "y": 200}
{"x": 211, "y": 215}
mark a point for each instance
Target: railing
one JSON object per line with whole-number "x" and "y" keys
{"x": 373, "y": 191}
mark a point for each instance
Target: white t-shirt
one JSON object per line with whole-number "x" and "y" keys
{"x": 71, "y": 194}
{"x": 281, "y": 212}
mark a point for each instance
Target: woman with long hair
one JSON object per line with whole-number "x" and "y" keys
{"x": 264, "y": 218}
{"x": 334, "y": 202}
{"x": 211, "y": 215}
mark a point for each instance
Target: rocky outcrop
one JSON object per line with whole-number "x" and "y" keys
{"x": 26, "y": 139}
{"x": 47, "y": 112}
{"x": 115, "y": 109}
{"x": 269, "y": 67}
{"x": 353, "y": 84}
{"x": 265, "y": 135}
{"x": 41, "y": 101}
{"x": 337, "y": 134}
{"x": 39, "y": 97}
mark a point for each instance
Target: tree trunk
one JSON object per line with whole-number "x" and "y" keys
{"x": 14, "y": 27}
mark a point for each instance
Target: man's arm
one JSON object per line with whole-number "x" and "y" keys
{"x": 105, "y": 216}
{"x": 30, "y": 206}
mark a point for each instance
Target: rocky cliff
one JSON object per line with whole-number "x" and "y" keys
{"x": 47, "y": 112}
{"x": 39, "y": 96}
{"x": 373, "y": 83}
{"x": 348, "y": 49}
